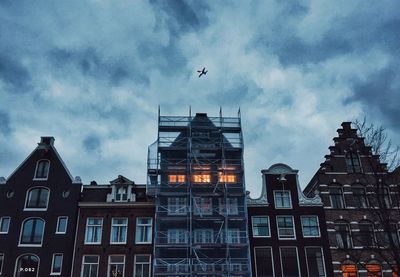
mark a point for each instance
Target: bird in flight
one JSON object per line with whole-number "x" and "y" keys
{"x": 202, "y": 72}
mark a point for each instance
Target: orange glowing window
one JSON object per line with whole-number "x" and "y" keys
{"x": 349, "y": 270}
{"x": 394, "y": 271}
{"x": 374, "y": 270}
{"x": 227, "y": 178}
{"x": 202, "y": 178}
{"x": 176, "y": 178}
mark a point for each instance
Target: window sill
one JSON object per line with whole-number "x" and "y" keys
{"x": 117, "y": 243}
{"x": 311, "y": 236}
{"x": 29, "y": 245}
{"x": 40, "y": 179}
{"x": 55, "y": 274}
{"x": 143, "y": 242}
{"x": 61, "y": 233}
{"x": 92, "y": 243}
{"x": 261, "y": 236}
{"x": 3, "y": 233}
{"x": 286, "y": 238}
{"x": 35, "y": 209}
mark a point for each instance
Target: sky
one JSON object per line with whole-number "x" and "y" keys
{"x": 93, "y": 73}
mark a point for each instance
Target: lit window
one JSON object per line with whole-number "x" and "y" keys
{"x": 176, "y": 179}
{"x": 116, "y": 266}
{"x": 336, "y": 197}
{"x": 289, "y": 257}
{"x": 227, "y": 178}
{"x": 349, "y": 270}
{"x": 177, "y": 236}
{"x": 353, "y": 163}
{"x": 282, "y": 199}
{"x": 263, "y": 263}
{"x": 260, "y": 226}
{"x": 119, "y": 228}
{"x": 343, "y": 237}
{"x": 177, "y": 206}
{"x": 143, "y": 230}
{"x": 142, "y": 266}
{"x": 62, "y": 222}
{"x": 37, "y": 198}
{"x": 285, "y": 227}
{"x": 90, "y": 266}
{"x": 202, "y": 206}
{"x": 310, "y": 226}
{"x": 202, "y": 178}
{"x": 373, "y": 270}
{"x": 32, "y": 232}
{"x": 230, "y": 207}
{"x": 315, "y": 262}
{"x": 94, "y": 228}
{"x": 1, "y": 262}
{"x": 42, "y": 169}
{"x": 4, "y": 224}
{"x": 56, "y": 265}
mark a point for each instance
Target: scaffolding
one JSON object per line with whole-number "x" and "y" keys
{"x": 196, "y": 173}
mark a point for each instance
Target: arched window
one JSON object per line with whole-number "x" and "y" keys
{"x": 37, "y": 198}
{"x": 27, "y": 266}
{"x": 373, "y": 269}
{"x": 42, "y": 169}
{"x": 365, "y": 237}
{"x": 32, "y": 231}
{"x": 383, "y": 195}
{"x": 359, "y": 196}
{"x": 353, "y": 163}
{"x": 343, "y": 237}
{"x": 336, "y": 197}
{"x": 349, "y": 270}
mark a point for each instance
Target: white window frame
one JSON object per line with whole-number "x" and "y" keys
{"x": 233, "y": 233}
{"x": 144, "y": 225}
{"x": 199, "y": 206}
{"x": 175, "y": 207}
{"x": 121, "y": 195}
{"x": 114, "y": 263}
{"x": 58, "y": 225}
{"x": 290, "y": 199}
{"x": 203, "y": 235}
{"x": 297, "y": 255}
{"x": 2, "y": 262}
{"x": 175, "y": 235}
{"x": 26, "y": 254}
{"x": 272, "y": 258}
{"x": 252, "y": 226}
{"x": 2, "y": 222}
{"x": 101, "y": 231}
{"x": 294, "y": 228}
{"x": 52, "y": 264}
{"x": 323, "y": 258}
{"x": 36, "y": 209}
{"x": 21, "y": 231}
{"x": 302, "y": 230}
{"x": 119, "y": 226}
{"x": 90, "y": 264}
{"x": 48, "y": 171}
{"x": 231, "y": 207}
{"x": 142, "y": 263}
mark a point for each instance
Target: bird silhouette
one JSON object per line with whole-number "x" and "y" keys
{"x": 202, "y": 72}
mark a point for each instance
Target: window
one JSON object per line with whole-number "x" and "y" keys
{"x": 233, "y": 236}
{"x": 121, "y": 195}
{"x": 315, "y": 262}
{"x": 27, "y": 265}
{"x": 143, "y": 230}
{"x": 285, "y": 227}
{"x": 4, "y": 224}
{"x": 384, "y": 198}
{"x": 177, "y": 206}
{"x": 365, "y": 237}
{"x": 203, "y": 236}
{"x": 202, "y": 178}
{"x": 349, "y": 270}
{"x": 359, "y": 197}
{"x": 230, "y": 207}
{"x": 56, "y": 264}
{"x": 62, "y": 222}
{"x": 310, "y": 226}
{"x": 226, "y": 178}
{"x": 42, "y": 169}
{"x": 177, "y": 236}
{"x": 118, "y": 230}
{"x": 116, "y": 266}
{"x": 386, "y": 235}
{"x": 94, "y": 226}
{"x": 90, "y": 266}
{"x": 142, "y": 266}
{"x": 1, "y": 262}
{"x": 202, "y": 206}
{"x": 373, "y": 270}
{"x": 173, "y": 179}
{"x": 32, "y": 232}
{"x": 37, "y": 198}
{"x": 263, "y": 262}
{"x": 343, "y": 238}
{"x": 353, "y": 163}
{"x": 282, "y": 199}
{"x": 336, "y": 197}
{"x": 260, "y": 226}
{"x": 289, "y": 257}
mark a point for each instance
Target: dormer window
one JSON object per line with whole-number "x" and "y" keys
{"x": 37, "y": 198}
{"x": 42, "y": 169}
{"x": 121, "y": 195}
{"x": 353, "y": 163}
{"x": 282, "y": 199}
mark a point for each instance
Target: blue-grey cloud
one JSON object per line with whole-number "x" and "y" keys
{"x": 15, "y": 76}
{"x": 5, "y": 126}
{"x": 92, "y": 144}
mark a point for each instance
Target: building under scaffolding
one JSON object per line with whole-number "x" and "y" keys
{"x": 196, "y": 173}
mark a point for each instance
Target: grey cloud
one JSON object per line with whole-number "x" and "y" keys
{"x": 14, "y": 74}
{"x": 5, "y": 126}
{"x": 92, "y": 144}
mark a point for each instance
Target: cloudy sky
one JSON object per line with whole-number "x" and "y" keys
{"x": 92, "y": 74}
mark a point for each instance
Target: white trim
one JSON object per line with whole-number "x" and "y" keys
{"x": 302, "y": 229}
{"x": 2, "y": 262}
{"x": 151, "y": 230}
{"x": 272, "y": 258}
{"x": 323, "y": 258}
{"x": 36, "y": 209}
{"x": 297, "y": 255}
{"x": 134, "y": 263}
{"x": 83, "y": 260}
{"x": 101, "y": 232}
{"x": 26, "y": 254}
{"x": 58, "y": 223}
{"x": 109, "y": 264}
{"x": 52, "y": 264}
{"x": 290, "y": 200}
{"x": 21, "y": 230}
{"x": 1, "y": 223}
{"x": 294, "y": 227}
{"x": 126, "y": 230}
{"x": 269, "y": 226}
{"x": 48, "y": 171}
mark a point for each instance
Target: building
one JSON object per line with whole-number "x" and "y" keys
{"x": 195, "y": 172}
{"x": 115, "y": 230}
{"x": 287, "y": 230}
{"x": 38, "y": 206}
{"x": 361, "y": 202}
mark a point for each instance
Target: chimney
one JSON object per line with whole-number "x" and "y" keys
{"x": 49, "y": 141}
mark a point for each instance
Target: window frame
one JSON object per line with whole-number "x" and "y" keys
{"x": 174, "y": 236}
{"x": 20, "y": 244}
{"x": 2, "y": 257}
{"x": 364, "y": 196}
{"x": 26, "y": 208}
{"x": 142, "y": 263}
{"x": 302, "y": 226}
{"x": 52, "y": 264}
{"x": 2, "y": 222}
{"x": 230, "y": 207}
{"x": 109, "y": 264}
{"x": 35, "y": 178}
{"x": 101, "y": 231}
{"x": 290, "y": 199}
{"x": 144, "y": 225}
{"x": 83, "y": 264}
{"x": 294, "y": 228}
{"x": 272, "y": 258}
{"x": 119, "y": 226}
{"x": 351, "y": 167}
{"x": 180, "y": 208}
{"x": 341, "y": 197}
{"x": 200, "y": 208}
{"x": 323, "y": 258}
{"x": 268, "y": 222}
{"x": 27, "y": 254}
{"x": 58, "y": 225}
{"x": 297, "y": 255}
{"x": 351, "y": 244}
